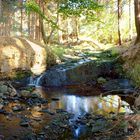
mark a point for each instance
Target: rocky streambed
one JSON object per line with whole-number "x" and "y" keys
{"x": 30, "y": 113}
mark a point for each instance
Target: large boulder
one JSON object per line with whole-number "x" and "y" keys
{"x": 21, "y": 54}
{"x": 76, "y": 73}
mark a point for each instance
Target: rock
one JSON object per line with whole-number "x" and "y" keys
{"x": 55, "y": 99}
{"x": 137, "y": 102}
{"x": 24, "y": 123}
{"x": 1, "y": 95}
{"x": 6, "y": 89}
{"x": 99, "y": 125}
{"x": 2, "y": 111}
{"x": 17, "y": 108}
{"x": 3, "y": 88}
{"x": 1, "y": 106}
{"x": 25, "y": 94}
{"x": 35, "y": 95}
{"x": 80, "y": 72}
{"x": 47, "y": 111}
{"x": 47, "y": 126}
{"x": 15, "y": 57}
{"x": 13, "y": 93}
{"x": 119, "y": 85}
{"x": 101, "y": 80}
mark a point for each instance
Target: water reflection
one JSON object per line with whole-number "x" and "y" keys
{"x": 69, "y": 101}
{"x": 80, "y": 105}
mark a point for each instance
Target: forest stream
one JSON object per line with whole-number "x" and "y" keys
{"x": 61, "y": 113}
{"x": 69, "y": 70}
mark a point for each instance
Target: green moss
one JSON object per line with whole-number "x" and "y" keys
{"x": 21, "y": 74}
{"x": 134, "y": 74}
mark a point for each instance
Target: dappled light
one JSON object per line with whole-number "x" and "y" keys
{"x": 69, "y": 69}
{"x": 21, "y": 54}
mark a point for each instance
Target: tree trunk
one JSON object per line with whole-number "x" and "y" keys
{"x": 21, "y": 18}
{"x": 130, "y": 21}
{"x": 60, "y": 33}
{"x": 119, "y": 17}
{"x": 0, "y": 8}
{"x": 42, "y": 30}
{"x": 41, "y": 24}
{"x": 137, "y": 19}
{"x": 53, "y": 29}
{"x": 29, "y": 25}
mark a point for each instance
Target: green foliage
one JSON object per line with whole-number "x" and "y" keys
{"x": 32, "y": 6}
{"x": 79, "y": 8}
{"x": 21, "y": 74}
{"x": 59, "y": 51}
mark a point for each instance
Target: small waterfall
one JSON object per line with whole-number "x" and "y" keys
{"x": 36, "y": 80}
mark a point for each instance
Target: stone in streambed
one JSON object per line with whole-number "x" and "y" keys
{"x": 101, "y": 80}
{"x": 1, "y": 106}
{"x": 17, "y": 108}
{"x": 3, "y": 88}
{"x": 80, "y": 72}
{"x": 119, "y": 85}
{"x": 25, "y": 94}
{"x": 24, "y": 123}
{"x": 47, "y": 111}
{"x": 55, "y": 99}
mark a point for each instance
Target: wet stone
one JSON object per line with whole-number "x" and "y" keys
{"x": 1, "y": 106}
{"x": 55, "y": 99}
{"x": 24, "y": 123}
{"x": 17, "y": 108}
{"x": 47, "y": 111}
{"x": 2, "y": 111}
{"x": 119, "y": 85}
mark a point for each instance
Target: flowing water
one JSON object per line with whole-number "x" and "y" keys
{"x": 36, "y": 80}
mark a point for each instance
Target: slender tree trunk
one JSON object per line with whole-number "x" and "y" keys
{"x": 32, "y": 26}
{"x": 130, "y": 21}
{"x": 29, "y": 25}
{"x": 119, "y": 17}
{"x": 0, "y": 8}
{"x": 77, "y": 29}
{"x": 53, "y": 29}
{"x": 60, "y": 33}
{"x": 21, "y": 18}
{"x": 42, "y": 30}
{"x": 137, "y": 19}
{"x": 0, "y": 17}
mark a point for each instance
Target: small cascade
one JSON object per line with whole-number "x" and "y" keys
{"x": 36, "y": 80}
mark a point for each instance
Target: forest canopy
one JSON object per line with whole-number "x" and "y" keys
{"x": 65, "y": 21}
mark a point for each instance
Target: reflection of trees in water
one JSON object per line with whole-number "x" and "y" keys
{"x": 101, "y": 105}
{"x": 80, "y": 105}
